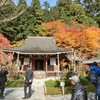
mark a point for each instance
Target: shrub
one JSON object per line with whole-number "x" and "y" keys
{"x": 67, "y": 83}
{"x": 51, "y": 83}
{"x": 15, "y": 82}
{"x": 90, "y": 87}
{"x": 53, "y": 87}
{"x": 84, "y": 81}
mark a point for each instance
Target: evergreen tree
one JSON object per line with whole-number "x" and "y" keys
{"x": 73, "y": 11}
{"x": 22, "y": 4}
{"x": 92, "y": 9}
{"x": 46, "y": 11}
{"x": 46, "y": 5}
{"x": 29, "y": 23}
{"x": 54, "y": 13}
{"x": 7, "y": 10}
{"x": 64, "y": 11}
{"x": 36, "y": 15}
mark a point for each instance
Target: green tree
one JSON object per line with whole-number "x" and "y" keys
{"x": 50, "y": 13}
{"x": 73, "y": 10}
{"x": 54, "y": 14}
{"x": 22, "y": 4}
{"x": 78, "y": 14}
{"x": 10, "y": 14}
{"x": 65, "y": 5}
{"x": 46, "y": 5}
{"x": 64, "y": 11}
{"x": 8, "y": 11}
{"x": 5, "y": 11}
{"x": 28, "y": 24}
{"x": 92, "y": 9}
{"x": 46, "y": 11}
{"x": 36, "y": 15}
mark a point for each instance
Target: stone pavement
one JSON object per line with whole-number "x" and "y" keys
{"x": 37, "y": 93}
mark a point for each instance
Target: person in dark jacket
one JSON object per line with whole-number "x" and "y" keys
{"x": 3, "y": 80}
{"x": 95, "y": 67}
{"x": 28, "y": 82}
{"x": 78, "y": 90}
{"x": 1, "y": 85}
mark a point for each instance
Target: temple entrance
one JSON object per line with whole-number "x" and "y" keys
{"x": 39, "y": 64}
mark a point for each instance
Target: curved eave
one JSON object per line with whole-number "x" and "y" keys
{"x": 7, "y": 50}
{"x": 17, "y": 51}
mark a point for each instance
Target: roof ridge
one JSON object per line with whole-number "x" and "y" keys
{"x": 38, "y": 37}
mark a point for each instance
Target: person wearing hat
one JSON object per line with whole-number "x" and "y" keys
{"x": 78, "y": 90}
{"x": 3, "y": 79}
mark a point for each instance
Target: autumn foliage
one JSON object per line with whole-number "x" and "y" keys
{"x": 82, "y": 38}
{"x": 4, "y": 43}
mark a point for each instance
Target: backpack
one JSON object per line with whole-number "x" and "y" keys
{"x": 93, "y": 77}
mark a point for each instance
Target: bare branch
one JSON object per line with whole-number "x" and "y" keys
{"x": 3, "y": 2}
{"x": 13, "y": 17}
{"x": 3, "y": 32}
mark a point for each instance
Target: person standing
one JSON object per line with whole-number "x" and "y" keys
{"x": 28, "y": 82}
{"x": 3, "y": 80}
{"x": 95, "y": 67}
{"x": 1, "y": 85}
{"x": 78, "y": 90}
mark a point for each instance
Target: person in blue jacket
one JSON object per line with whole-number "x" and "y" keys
{"x": 95, "y": 67}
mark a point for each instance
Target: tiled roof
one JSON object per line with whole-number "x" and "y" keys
{"x": 91, "y": 61}
{"x": 38, "y": 45}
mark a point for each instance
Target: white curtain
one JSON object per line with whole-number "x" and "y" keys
{"x": 26, "y": 61}
{"x": 52, "y": 61}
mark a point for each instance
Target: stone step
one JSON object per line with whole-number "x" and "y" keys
{"x": 39, "y": 74}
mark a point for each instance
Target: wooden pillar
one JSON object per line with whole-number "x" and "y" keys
{"x": 30, "y": 61}
{"x": 22, "y": 69}
{"x": 17, "y": 67}
{"x": 46, "y": 66}
{"x": 58, "y": 64}
{"x": 31, "y": 66}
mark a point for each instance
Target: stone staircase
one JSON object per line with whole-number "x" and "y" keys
{"x": 39, "y": 74}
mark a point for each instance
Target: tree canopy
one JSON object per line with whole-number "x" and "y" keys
{"x": 66, "y": 21}
{"x": 82, "y": 38}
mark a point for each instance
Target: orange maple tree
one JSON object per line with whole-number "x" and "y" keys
{"x": 82, "y": 38}
{"x": 90, "y": 39}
